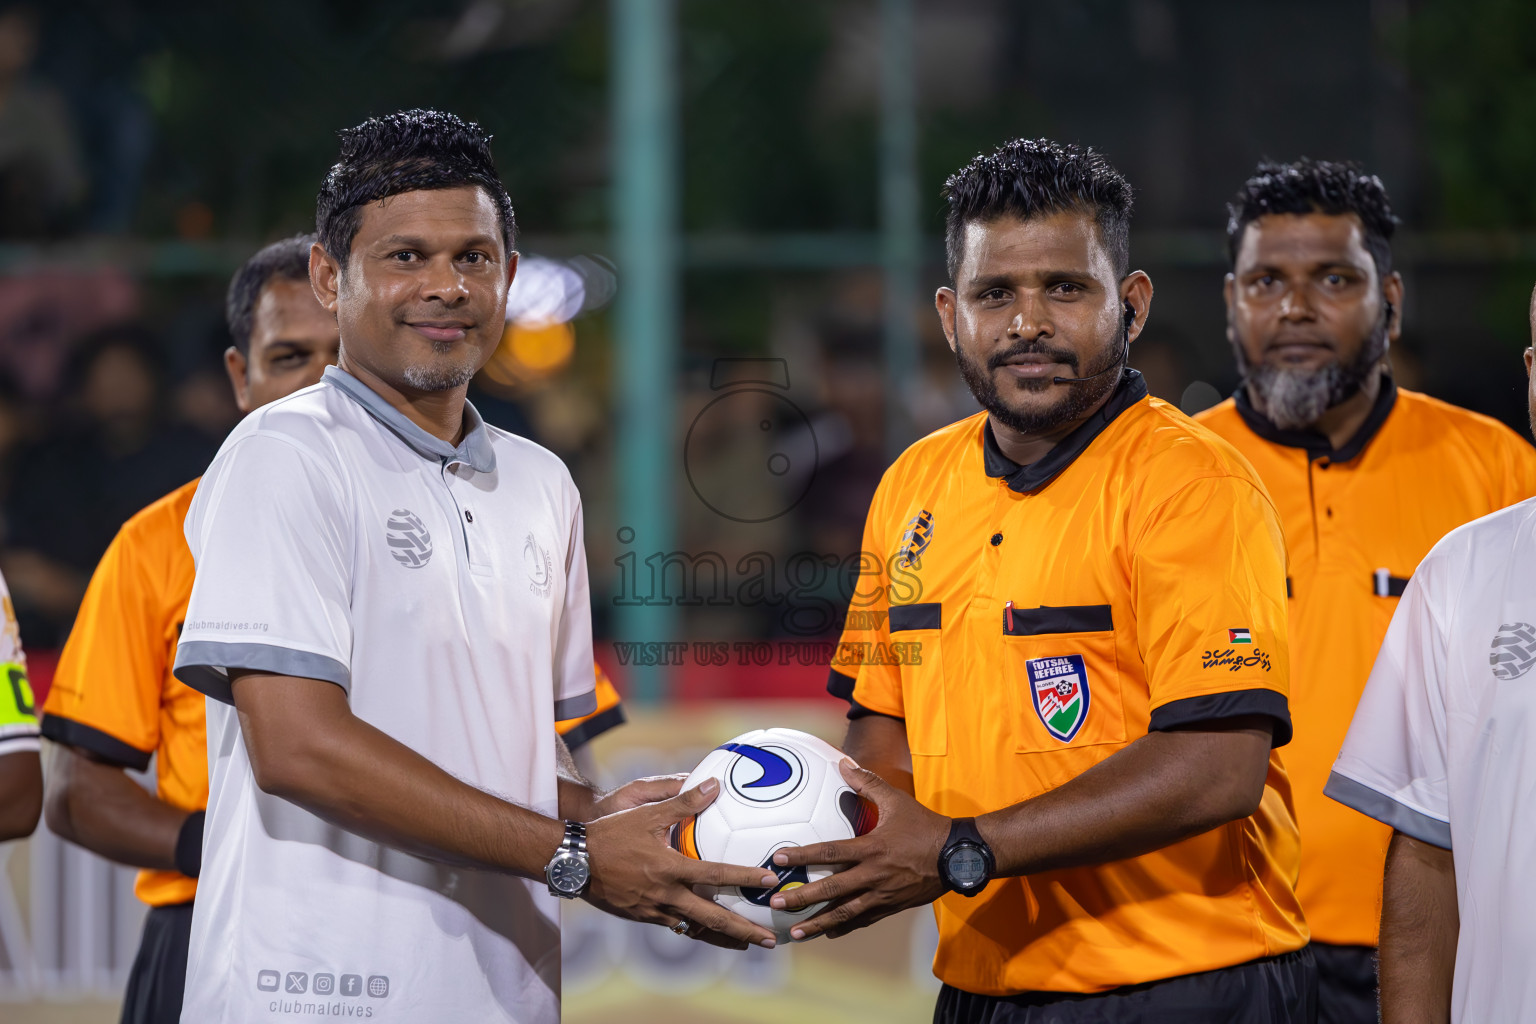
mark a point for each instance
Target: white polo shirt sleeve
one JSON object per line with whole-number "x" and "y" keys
{"x": 272, "y": 593}
{"x": 1393, "y": 764}
{"x": 575, "y": 682}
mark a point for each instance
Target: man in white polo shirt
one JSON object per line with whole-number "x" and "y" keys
{"x": 1443, "y": 749}
{"x": 390, "y": 613}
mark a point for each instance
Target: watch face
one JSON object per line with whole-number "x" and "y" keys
{"x": 568, "y": 873}
{"x": 967, "y": 867}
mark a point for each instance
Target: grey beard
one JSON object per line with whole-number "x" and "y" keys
{"x": 438, "y": 378}
{"x": 1294, "y": 399}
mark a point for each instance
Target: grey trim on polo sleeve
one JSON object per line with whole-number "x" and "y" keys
{"x": 1388, "y": 811}
{"x": 204, "y": 665}
{"x": 579, "y": 706}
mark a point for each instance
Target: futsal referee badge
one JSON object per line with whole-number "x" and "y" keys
{"x": 1059, "y": 687}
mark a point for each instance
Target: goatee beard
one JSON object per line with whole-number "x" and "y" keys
{"x": 438, "y": 377}
{"x": 1078, "y": 398}
{"x": 1294, "y": 398}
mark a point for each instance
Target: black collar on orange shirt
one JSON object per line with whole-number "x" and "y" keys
{"x": 1317, "y": 444}
{"x": 1024, "y": 479}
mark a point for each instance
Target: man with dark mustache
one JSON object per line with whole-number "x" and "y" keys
{"x": 1099, "y": 813}
{"x": 1367, "y": 477}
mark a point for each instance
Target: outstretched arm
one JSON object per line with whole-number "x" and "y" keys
{"x": 1163, "y": 788}
{"x": 1419, "y": 926}
{"x": 307, "y": 747}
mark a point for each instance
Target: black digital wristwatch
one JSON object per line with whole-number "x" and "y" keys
{"x": 966, "y": 863}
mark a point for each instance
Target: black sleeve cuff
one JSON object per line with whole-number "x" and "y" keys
{"x": 590, "y": 728}
{"x": 1180, "y": 714}
{"x": 189, "y": 845}
{"x": 83, "y": 737}
{"x": 841, "y": 687}
{"x": 857, "y": 711}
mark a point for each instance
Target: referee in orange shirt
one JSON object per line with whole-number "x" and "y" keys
{"x": 114, "y": 702}
{"x": 1072, "y": 649}
{"x": 1367, "y": 477}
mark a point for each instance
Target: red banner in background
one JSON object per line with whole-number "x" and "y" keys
{"x": 700, "y": 671}
{"x": 40, "y": 668}
{"x": 728, "y": 670}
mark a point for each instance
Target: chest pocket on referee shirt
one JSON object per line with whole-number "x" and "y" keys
{"x": 1061, "y": 667}
{"x": 922, "y": 677}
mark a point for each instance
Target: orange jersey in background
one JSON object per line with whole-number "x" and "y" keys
{"x": 114, "y": 696}
{"x": 1026, "y": 623}
{"x": 1357, "y": 523}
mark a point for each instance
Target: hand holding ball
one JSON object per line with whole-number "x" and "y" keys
{"x": 778, "y": 788}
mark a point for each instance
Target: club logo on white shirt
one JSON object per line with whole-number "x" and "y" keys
{"x": 541, "y": 573}
{"x": 409, "y": 542}
{"x": 1514, "y": 650}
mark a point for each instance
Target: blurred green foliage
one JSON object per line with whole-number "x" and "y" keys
{"x": 1473, "y": 68}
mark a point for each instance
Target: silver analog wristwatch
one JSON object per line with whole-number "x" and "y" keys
{"x": 568, "y": 871}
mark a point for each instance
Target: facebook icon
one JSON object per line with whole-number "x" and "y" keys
{"x": 351, "y": 984}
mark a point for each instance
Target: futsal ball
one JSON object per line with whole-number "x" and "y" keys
{"x": 778, "y": 788}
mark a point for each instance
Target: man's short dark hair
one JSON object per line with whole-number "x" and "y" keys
{"x": 1029, "y": 178}
{"x": 287, "y": 260}
{"x": 1332, "y": 187}
{"x": 408, "y": 151}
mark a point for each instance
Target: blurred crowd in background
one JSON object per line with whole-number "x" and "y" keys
{"x": 146, "y": 150}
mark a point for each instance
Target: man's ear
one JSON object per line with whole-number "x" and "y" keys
{"x": 944, "y": 302}
{"x": 324, "y": 277}
{"x": 1136, "y": 291}
{"x": 1392, "y": 291}
{"x": 237, "y": 366}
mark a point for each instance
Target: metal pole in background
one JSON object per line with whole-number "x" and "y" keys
{"x": 900, "y": 232}
{"x": 644, "y": 107}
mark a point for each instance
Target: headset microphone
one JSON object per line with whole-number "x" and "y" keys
{"x": 1125, "y": 351}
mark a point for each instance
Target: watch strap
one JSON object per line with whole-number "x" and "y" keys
{"x": 573, "y": 845}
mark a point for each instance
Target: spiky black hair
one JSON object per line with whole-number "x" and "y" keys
{"x": 408, "y": 151}
{"x": 1029, "y": 178}
{"x": 1315, "y": 186}
{"x": 287, "y": 260}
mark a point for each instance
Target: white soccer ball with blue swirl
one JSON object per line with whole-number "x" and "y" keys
{"x": 778, "y": 788}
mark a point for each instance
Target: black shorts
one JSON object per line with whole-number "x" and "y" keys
{"x": 159, "y": 974}
{"x": 1346, "y": 984}
{"x": 1277, "y": 990}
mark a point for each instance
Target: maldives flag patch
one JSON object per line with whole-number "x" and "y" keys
{"x": 1059, "y": 687}
{"x": 1239, "y": 636}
